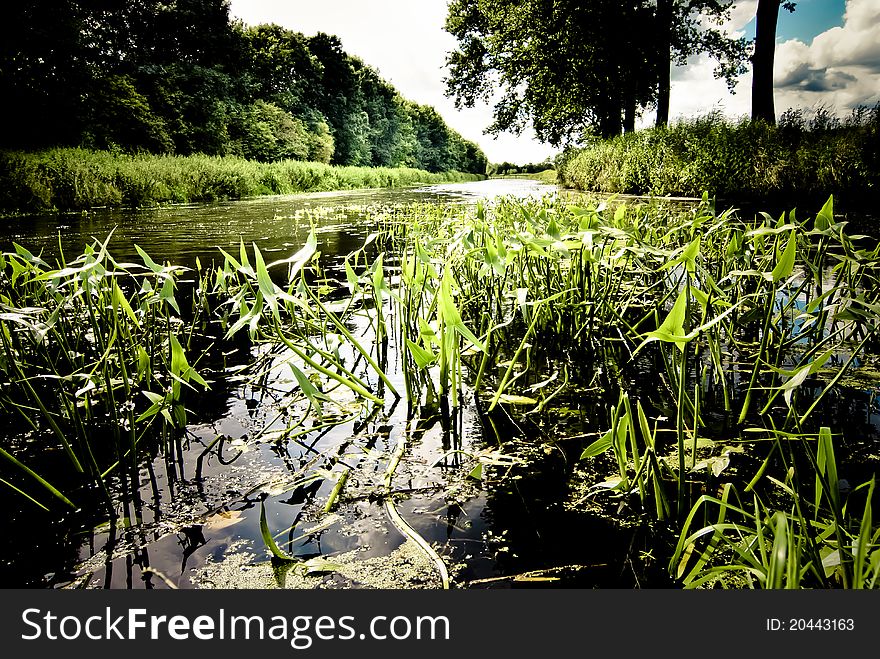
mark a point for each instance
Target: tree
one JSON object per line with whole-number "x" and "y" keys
{"x": 42, "y": 64}
{"x": 574, "y": 67}
{"x": 178, "y": 76}
{"x": 766, "y": 17}
{"x": 683, "y": 29}
{"x": 560, "y": 63}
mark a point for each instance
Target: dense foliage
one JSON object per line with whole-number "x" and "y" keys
{"x": 180, "y": 77}
{"x": 574, "y": 68}
{"x": 801, "y": 157}
{"x": 714, "y": 388}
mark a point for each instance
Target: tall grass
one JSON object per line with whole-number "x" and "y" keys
{"x": 742, "y": 161}
{"x": 74, "y": 179}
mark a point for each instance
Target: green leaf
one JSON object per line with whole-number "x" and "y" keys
{"x": 379, "y": 275}
{"x": 269, "y": 540}
{"x": 825, "y": 218}
{"x": 119, "y": 302}
{"x": 423, "y": 358}
{"x": 351, "y": 277}
{"x": 671, "y": 330}
{"x": 449, "y": 312}
{"x": 513, "y": 399}
{"x": 477, "y": 472}
{"x": 798, "y": 376}
{"x": 827, "y": 464}
{"x": 785, "y": 264}
{"x": 267, "y": 287}
{"x": 150, "y": 263}
{"x": 318, "y": 565}
{"x": 308, "y": 388}
{"x": 166, "y": 294}
{"x": 179, "y": 365}
{"x": 158, "y": 403}
{"x": 143, "y": 365}
{"x": 779, "y": 553}
{"x": 598, "y": 447}
{"x": 30, "y": 472}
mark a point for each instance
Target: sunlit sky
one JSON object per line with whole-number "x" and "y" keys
{"x": 828, "y": 54}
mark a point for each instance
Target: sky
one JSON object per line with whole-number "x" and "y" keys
{"x": 828, "y": 55}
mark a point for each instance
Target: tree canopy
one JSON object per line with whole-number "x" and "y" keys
{"x": 178, "y": 76}
{"x": 574, "y": 68}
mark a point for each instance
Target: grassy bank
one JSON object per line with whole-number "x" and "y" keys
{"x": 73, "y": 179}
{"x": 800, "y": 158}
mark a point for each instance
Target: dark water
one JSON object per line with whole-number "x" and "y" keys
{"x": 192, "y": 505}
{"x": 194, "y": 508}
{"x": 180, "y": 233}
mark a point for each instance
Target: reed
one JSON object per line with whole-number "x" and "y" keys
{"x": 78, "y": 179}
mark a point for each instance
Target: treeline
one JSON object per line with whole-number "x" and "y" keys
{"x": 179, "y": 77}
{"x": 803, "y": 158}
{"x": 508, "y": 168}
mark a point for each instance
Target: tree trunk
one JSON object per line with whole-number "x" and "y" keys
{"x": 609, "y": 124}
{"x": 664, "y": 60}
{"x": 629, "y": 114}
{"x": 763, "y": 108}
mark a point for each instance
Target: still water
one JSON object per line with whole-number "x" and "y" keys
{"x": 180, "y": 233}
{"x": 194, "y": 518}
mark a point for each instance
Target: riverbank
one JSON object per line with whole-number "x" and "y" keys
{"x": 799, "y": 159}
{"x": 77, "y": 179}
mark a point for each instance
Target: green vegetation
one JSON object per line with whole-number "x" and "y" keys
{"x": 798, "y": 159}
{"x": 730, "y": 316}
{"x": 548, "y": 176}
{"x": 700, "y": 351}
{"x": 69, "y": 179}
{"x": 181, "y": 78}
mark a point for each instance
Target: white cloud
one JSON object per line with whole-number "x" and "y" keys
{"x": 695, "y": 91}
{"x": 839, "y": 69}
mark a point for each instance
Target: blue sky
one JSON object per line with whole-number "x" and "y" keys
{"x": 809, "y": 19}
{"x": 828, "y": 55}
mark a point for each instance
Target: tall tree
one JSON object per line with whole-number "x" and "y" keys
{"x": 42, "y": 64}
{"x": 567, "y": 66}
{"x": 766, "y": 17}
{"x": 685, "y": 27}
{"x": 178, "y": 76}
{"x": 574, "y": 67}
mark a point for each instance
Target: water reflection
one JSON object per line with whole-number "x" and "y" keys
{"x": 175, "y": 517}
{"x": 181, "y": 233}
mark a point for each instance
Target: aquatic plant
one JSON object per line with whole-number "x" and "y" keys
{"x": 543, "y": 315}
